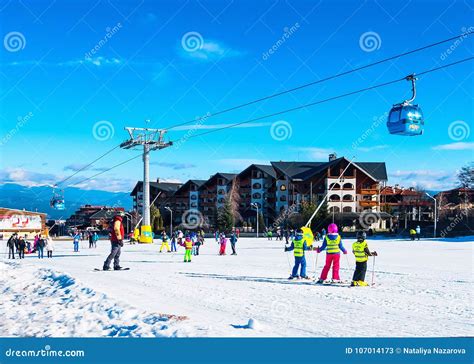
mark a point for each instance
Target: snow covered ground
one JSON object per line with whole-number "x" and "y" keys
{"x": 422, "y": 289}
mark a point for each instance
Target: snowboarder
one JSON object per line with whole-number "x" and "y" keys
{"x": 188, "y": 246}
{"x": 233, "y": 240}
{"x": 40, "y": 247}
{"x": 11, "y": 244}
{"x": 116, "y": 240}
{"x": 333, "y": 245}
{"x": 49, "y": 246}
{"x": 361, "y": 252}
{"x": 164, "y": 242}
{"x": 223, "y": 243}
{"x": 76, "y": 240}
{"x": 298, "y": 246}
{"x": 418, "y": 232}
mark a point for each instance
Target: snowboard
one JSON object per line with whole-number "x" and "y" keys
{"x": 110, "y": 270}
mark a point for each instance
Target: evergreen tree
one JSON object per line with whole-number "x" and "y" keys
{"x": 466, "y": 176}
{"x": 225, "y": 217}
{"x": 155, "y": 219}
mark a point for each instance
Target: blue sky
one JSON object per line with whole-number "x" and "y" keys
{"x": 62, "y": 104}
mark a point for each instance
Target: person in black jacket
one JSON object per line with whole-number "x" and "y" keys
{"x": 40, "y": 246}
{"x": 11, "y": 244}
{"x": 21, "y": 248}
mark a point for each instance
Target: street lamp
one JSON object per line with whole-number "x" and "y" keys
{"x": 171, "y": 222}
{"x": 435, "y": 213}
{"x": 255, "y": 205}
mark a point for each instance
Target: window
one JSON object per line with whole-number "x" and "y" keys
{"x": 221, "y": 192}
{"x": 283, "y": 188}
{"x": 193, "y": 197}
{"x": 348, "y": 186}
{"x": 334, "y": 198}
{"x": 334, "y": 209}
{"x": 193, "y": 204}
{"x": 347, "y": 209}
{"x": 257, "y": 196}
{"x": 220, "y": 200}
{"x": 283, "y": 198}
{"x": 347, "y": 198}
{"x": 257, "y": 186}
{"x": 334, "y": 186}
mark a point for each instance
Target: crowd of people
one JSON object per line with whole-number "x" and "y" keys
{"x": 21, "y": 245}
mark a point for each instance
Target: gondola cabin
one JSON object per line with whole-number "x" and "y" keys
{"x": 405, "y": 120}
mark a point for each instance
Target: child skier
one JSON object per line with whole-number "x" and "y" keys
{"x": 223, "y": 243}
{"x": 164, "y": 242}
{"x": 412, "y": 234}
{"x": 298, "y": 246}
{"x": 188, "y": 246}
{"x": 361, "y": 252}
{"x": 333, "y": 245}
{"x": 77, "y": 239}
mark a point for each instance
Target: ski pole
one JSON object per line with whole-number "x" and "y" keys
{"x": 373, "y": 271}
{"x": 316, "y": 263}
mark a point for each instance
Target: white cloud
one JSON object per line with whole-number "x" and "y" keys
{"x": 211, "y": 50}
{"x": 455, "y": 146}
{"x": 370, "y": 149}
{"x": 428, "y": 179}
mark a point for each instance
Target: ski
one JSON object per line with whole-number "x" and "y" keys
{"x": 110, "y": 270}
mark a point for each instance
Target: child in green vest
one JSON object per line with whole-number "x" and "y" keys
{"x": 298, "y": 246}
{"x": 361, "y": 252}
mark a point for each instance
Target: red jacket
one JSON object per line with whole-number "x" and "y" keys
{"x": 113, "y": 234}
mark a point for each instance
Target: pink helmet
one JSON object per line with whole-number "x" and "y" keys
{"x": 332, "y": 229}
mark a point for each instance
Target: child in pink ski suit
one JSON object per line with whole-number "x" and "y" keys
{"x": 332, "y": 243}
{"x": 223, "y": 243}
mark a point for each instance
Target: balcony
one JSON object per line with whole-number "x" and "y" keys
{"x": 369, "y": 191}
{"x": 368, "y": 203}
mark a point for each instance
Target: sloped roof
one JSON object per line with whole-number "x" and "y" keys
{"x": 378, "y": 170}
{"x": 106, "y": 213}
{"x": 227, "y": 176}
{"x": 162, "y": 186}
{"x": 263, "y": 167}
{"x": 197, "y": 182}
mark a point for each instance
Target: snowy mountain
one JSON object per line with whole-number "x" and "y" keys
{"x": 37, "y": 199}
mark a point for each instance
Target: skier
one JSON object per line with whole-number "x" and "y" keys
{"x": 76, "y": 240}
{"x": 323, "y": 233}
{"x": 418, "y": 232}
{"x": 270, "y": 234}
{"x": 223, "y": 243}
{"x": 298, "y": 245}
{"x": 95, "y": 238}
{"x": 40, "y": 246}
{"x": 11, "y": 243}
{"x": 198, "y": 242}
{"x": 91, "y": 240}
{"x": 333, "y": 245}
{"x": 164, "y": 242}
{"x": 412, "y": 234}
{"x": 49, "y": 246}
{"x": 116, "y": 240}
{"x": 233, "y": 240}
{"x": 188, "y": 246}
{"x": 361, "y": 252}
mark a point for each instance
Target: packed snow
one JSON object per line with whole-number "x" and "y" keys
{"x": 422, "y": 288}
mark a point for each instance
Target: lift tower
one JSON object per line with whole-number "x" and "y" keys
{"x": 150, "y": 139}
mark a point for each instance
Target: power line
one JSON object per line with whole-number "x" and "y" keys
{"x": 87, "y": 166}
{"x": 319, "y": 81}
{"x": 289, "y": 110}
{"x": 328, "y": 99}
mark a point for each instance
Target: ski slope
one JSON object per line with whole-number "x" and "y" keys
{"x": 422, "y": 289}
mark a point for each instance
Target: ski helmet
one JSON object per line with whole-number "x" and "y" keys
{"x": 361, "y": 235}
{"x": 332, "y": 229}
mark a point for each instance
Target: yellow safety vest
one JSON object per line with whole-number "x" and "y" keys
{"x": 359, "y": 251}
{"x": 298, "y": 247}
{"x": 412, "y": 232}
{"x": 188, "y": 244}
{"x": 333, "y": 245}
